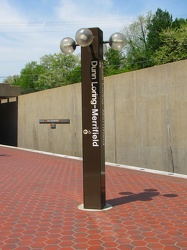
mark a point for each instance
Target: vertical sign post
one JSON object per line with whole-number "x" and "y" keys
{"x": 93, "y": 123}
{"x": 91, "y": 42}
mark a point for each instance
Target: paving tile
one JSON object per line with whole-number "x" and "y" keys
{"x": 40, "y": 195}
{"x": 95, "y": 248}
{"x": 67, "y": 243}
{"x": 81, "y": 246}
{"x": 51, "y": 247}
{"x": 23, "y": 248}
{"x": 38, "y": 245}
{"x": 24, "y": 243}
{"x": 171, "y": 248}
{"x": 126, "y": 247}
{"x": 95, "y": 242}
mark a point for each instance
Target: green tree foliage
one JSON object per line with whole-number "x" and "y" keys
{"x": 28, "y": 80}
{"x": 114, "y": 61}
{"x": 74, "y": 76}
{"x": 160, "y": 21}
{"x": 59, "y": 70}
{"x": 174, "y": 46}
{"x": 178, "y": 23}
{"x": 137, "y": 49}
{"x": 11, "y": 79}
{"x": 52, "y": 71}
{"x": 155, "y": 39}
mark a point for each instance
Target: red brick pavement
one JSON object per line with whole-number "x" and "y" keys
{"x": 40, "y": 195}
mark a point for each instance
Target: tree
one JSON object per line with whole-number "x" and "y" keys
{"x": 114, "y": 61}
{"x": 52, "y": 71}
{"x": 174, "y": 46}
{"x": 160, "y": 21}
{"x": 150, "y": 37}
{"x": 11, "y": 80}
{"x": 136, "y": 35}
{"x": 178, "y": 23}
{"x": 28, "y": 80}
{"x": 60, "y": 70}
{"x": 74, "y": 75}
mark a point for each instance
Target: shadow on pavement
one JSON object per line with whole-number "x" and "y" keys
{"x": 146, "y": 195}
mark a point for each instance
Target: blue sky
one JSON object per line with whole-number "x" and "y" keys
{"x": 30, "y": 29}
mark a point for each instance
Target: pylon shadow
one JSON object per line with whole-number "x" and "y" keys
{"x": 146, "y": 195}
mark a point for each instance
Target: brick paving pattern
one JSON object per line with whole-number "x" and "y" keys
{"x": 40, "y": 195}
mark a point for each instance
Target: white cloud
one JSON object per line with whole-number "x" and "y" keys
{"x": 24, "y": 39}
{"x": 21, "y": 41}
{"x": 99, "y": 13}
{"x": 9, "y": 14}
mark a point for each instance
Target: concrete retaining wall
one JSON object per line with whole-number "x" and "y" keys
{"x": 145, "y": 118}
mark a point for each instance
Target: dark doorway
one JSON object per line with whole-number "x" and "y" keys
{"x": 9, "y": 123}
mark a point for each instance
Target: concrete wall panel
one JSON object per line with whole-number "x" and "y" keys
{"x": 145, "y": 118}
{"x": 60, "y": 103}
